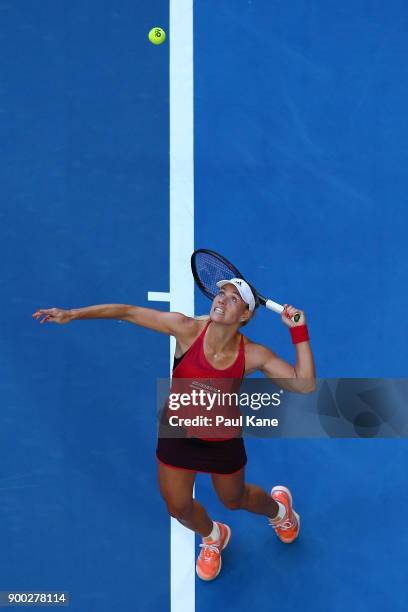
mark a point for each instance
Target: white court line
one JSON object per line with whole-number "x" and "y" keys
{"x": 181, "y": 296}
{"x": 182, "y": 545}
{"x": 158, "y": 296}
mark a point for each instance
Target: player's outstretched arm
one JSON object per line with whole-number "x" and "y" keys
{"x": 171, "y": 323}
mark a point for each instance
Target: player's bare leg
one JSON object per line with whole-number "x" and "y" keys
{"x": 236, "y": 494}
{"x": 176, "y": 487}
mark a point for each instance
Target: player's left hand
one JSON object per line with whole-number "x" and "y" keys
{"x": 288, "y": 314}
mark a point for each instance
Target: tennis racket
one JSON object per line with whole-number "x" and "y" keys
{"x": 209, "y": 267}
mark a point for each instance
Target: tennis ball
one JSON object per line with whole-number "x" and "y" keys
{"x": 157, "y": 36}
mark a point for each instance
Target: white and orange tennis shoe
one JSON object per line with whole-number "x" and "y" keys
{"x": 209, "y": 560}
{"x": 287, "y": 528}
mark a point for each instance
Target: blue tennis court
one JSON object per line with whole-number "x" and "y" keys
{"x": 273, "y": 133}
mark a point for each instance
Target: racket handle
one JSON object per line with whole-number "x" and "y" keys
{"x": 279, "y": 309}
{"x": 274, "y": 306}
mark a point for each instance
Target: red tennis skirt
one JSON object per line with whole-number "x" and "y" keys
{"x": 195, "y": 454}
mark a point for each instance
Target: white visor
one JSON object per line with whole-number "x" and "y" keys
{"x": 243, "y": 288}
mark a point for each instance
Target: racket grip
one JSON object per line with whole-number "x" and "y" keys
{"x": 279, "y": 309}
{"x": 274, "y": 306}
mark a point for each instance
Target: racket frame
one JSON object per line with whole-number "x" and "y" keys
{"x": 259, "y": 299}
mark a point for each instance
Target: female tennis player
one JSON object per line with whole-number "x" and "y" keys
{"x": 214, "y": 348}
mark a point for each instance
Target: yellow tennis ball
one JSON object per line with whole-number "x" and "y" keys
{"x": 157, "y": 36}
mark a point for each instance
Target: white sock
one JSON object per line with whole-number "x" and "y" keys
{"x": 281, "y": 512}
{"x": 214, "y": 535}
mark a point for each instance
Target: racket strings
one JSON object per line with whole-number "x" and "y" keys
{"x": 210, "y": 270}
{"x": 209, "y": 267}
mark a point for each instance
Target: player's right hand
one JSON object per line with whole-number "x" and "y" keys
{"x": 53, "y": 315}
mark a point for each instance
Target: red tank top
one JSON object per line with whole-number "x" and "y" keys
{"x": 194, "y": 365}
